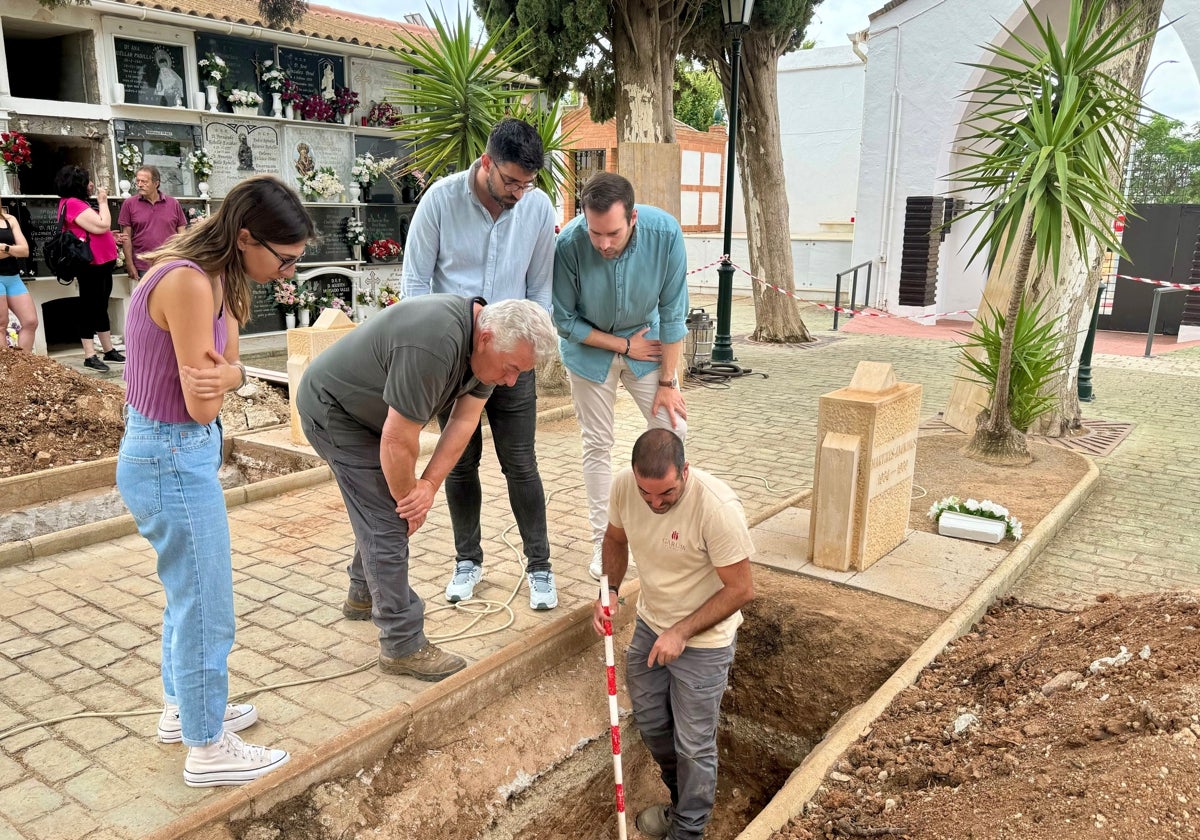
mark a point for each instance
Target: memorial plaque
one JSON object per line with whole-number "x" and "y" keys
{"x": 387, "y": 221}
{"x": 243, "y": 57}
{"x": 239, "y": 150}
{"x": 38, "y": 218}
{"x": 311, "y": 148}
{"x": 882, "y": 414}
{"x": 265, "y": 315}
{"x": 152, "y": 73}
{"x": 334, "y": 284}
{"x": 313, "y": 72}
{"x": 376, "y": 81}
{"x": 330, "y": 245}
{"x": 384, "y": 190}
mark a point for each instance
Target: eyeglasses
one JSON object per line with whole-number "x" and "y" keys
{"x": 284, "y": 262}
{"x": 514, "y": 185}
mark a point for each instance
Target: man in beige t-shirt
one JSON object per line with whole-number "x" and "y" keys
{"x": 688, "y": 535}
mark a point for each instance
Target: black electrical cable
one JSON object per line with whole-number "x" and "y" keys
{"x": 721, "y": 372}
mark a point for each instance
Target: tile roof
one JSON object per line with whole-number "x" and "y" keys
{"x": 321, "y": 22}
{"x": 886, "y": 8}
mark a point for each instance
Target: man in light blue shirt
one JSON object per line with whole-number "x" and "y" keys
{"x": 620, "y": 302}
{"x": 489, "y": 232}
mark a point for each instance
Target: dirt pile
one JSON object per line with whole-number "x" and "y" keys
{"x": 1038, "y": 725}
{"x": 54, "y": 416}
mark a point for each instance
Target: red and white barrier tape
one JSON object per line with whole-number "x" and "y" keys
{"x": 613, "y": 721}
{"x": 717, "y": 261}
{"x": 1169, "y": 285}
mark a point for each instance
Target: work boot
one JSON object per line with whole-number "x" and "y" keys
{"x": 654, "y": 821}
{"x": 430, "y": 663}
{"x": 357, "y": 606}
{"x": 238, "y": 716}
{"x": 230, "y": 761}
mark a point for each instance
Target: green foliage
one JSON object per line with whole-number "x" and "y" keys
{"x": 461, "y": 89}
{"x": 58, "y": 4}
{"x": 697, "y": 92}
{"x": 279, "y": 13}
{"x": 1164, "y": 163}
{"x": 459, "y": 92}
{"x": 1037, "y": 356}
{"x": 1047, "y": 128}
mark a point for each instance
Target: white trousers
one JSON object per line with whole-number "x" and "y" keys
{"x": 595, "y": 408}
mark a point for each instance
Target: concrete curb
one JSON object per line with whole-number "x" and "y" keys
{"x": 445, "y": 704}
{"x": 808, "y": 777}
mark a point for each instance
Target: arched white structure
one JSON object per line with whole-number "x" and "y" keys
{"x": 913, "y": 107}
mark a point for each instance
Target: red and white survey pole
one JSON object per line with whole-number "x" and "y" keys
{"x": 613, "y": 721}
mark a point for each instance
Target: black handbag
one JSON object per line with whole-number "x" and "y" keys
{"x": 66, "y": 254}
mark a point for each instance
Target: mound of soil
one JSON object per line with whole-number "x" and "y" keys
{"x": 55, "y": 416}
{"x": 1038, "y": 725}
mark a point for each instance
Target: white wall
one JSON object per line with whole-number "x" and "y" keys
{"x": 912, "y": 108}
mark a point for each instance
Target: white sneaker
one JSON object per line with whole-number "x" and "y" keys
{"x": 543, "y": 595}
{"x": 596, "y": 567}
{"x": 462, "y": 586}
{"x": 230, "y": 761}
{"x": 237, "y": 717}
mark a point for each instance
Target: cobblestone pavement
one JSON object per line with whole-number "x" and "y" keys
{"x": 79, "y": 630}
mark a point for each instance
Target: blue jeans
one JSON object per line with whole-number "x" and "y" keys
{"x": 676, "y": 709}
{"x": 512, "y": 416}
{"x": 167, "y": 476}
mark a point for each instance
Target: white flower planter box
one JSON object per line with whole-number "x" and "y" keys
{"x": 967, "y": 527}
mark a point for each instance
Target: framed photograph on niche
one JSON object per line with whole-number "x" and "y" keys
{"x": 151, "y": 73}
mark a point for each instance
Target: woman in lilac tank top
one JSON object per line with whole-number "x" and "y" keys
{"x": 182, "y": 329}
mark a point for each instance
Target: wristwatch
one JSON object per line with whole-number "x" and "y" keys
{"x": 668, "y": 383}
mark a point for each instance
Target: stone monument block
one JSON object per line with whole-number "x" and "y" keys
{"x": 833, "y": 511}
{"x": 305, "y": 344}
{"x": 883, "y": 414}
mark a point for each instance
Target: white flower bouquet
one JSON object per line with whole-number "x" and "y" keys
{"x": 986, "y": 509}
{"x": 129, "y": 158}
{"x": 200, "y": 162}
{"x": 245, "y": 98}
{"x": 213, "y": 69}
{"x": 355, "y": 233}
{"x": 273, "y": 76}
{"x": 323, "y": 183}
{"x": 367, "y": 169}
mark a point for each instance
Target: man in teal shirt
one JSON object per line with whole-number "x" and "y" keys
{"x": 620, "y": 302}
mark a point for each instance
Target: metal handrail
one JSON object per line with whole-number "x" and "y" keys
{"x": 837, "y": 289}
{"x": 1158, "y": 293}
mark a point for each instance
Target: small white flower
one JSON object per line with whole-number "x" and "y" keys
{"x": 972, "y": 505}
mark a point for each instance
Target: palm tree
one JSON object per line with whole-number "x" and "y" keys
{"x": 461, "y": 87}
{"x": 1047, "y": 126}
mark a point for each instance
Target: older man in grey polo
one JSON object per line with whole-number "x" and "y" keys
{"x": 489, "y": 232}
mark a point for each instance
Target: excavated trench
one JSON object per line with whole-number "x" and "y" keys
{"x": 36, "y": 504}
{"x": 537, "y": 764}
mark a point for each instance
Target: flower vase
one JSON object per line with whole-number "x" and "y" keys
{"x": 355, "y": 192}
{"x": 6, "y": 183}
{"x": 361, "y": 312}
{"x": 356, "y": 250}
{"x": 366, "y": 191}
{"x": 203, "y": 186}
{"x": 124, "y": 185}
{"x": 277, "y": 105}
{"x": 213, "y": 101}
{"x": 289, "y": 318}
{"x": 289, "y": 111}
{"x": 346, "y": 118}
{"x": 246, "y": 110}
{"x": 305, "y": 316}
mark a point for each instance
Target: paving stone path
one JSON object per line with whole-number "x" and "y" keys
{"x": 79, "y": 630}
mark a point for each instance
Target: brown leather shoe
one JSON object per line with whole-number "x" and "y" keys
{"x": 357, "y": 606}
{"x": 430, "y": 663}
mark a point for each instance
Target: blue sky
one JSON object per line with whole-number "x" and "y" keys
{"x": 1173, "y": 87}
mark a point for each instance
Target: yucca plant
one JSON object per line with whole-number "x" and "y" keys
{"x": 1037, "y": 355}
{"x": 1046, "y": 126}
{"x": 463, "y": 86}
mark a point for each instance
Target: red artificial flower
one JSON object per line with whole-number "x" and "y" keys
{"x": 15, "y": 150}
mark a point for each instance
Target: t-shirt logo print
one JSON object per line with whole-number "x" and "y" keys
{"x": 672, "y": 542}
{"x": 674, "y": 536}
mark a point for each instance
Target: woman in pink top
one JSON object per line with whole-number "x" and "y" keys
{"x": 95, "y": 282}
{"x": 182, "y": 328}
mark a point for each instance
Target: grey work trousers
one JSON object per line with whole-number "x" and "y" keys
{"x": 676, "y": 709}
{"x": 380, "y": 538}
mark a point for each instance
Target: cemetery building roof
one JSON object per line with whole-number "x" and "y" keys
{"x": 319, "y": 22}
{"x": 886, "y": 8}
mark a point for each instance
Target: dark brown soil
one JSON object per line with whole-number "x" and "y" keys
{"x": 1111, "y": 753}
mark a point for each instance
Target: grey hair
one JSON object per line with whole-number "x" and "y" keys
{"x": 514, "y": 321}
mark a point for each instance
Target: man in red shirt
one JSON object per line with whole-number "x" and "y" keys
{"x": 147, "y": 220}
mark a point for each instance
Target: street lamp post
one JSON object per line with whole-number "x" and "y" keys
{"x": 736, "y": 16}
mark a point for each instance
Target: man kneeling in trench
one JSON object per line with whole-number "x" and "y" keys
{"x": 689, "y": 538}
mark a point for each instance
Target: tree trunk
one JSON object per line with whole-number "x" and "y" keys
{"x": 760, "y": 157}
{"x": 637, "y": 55}
{"x": 996, "y": 440}
{"x": 1071, "y": 296}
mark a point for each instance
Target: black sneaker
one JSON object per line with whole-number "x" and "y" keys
{"x": 114, "y": 355}
{"x": 94, "y": 363}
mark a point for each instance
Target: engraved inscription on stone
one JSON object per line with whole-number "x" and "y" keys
{"x": 375, "y": 81}
{"x": 239, "y": 150}
{"x": 892, "y": 463}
